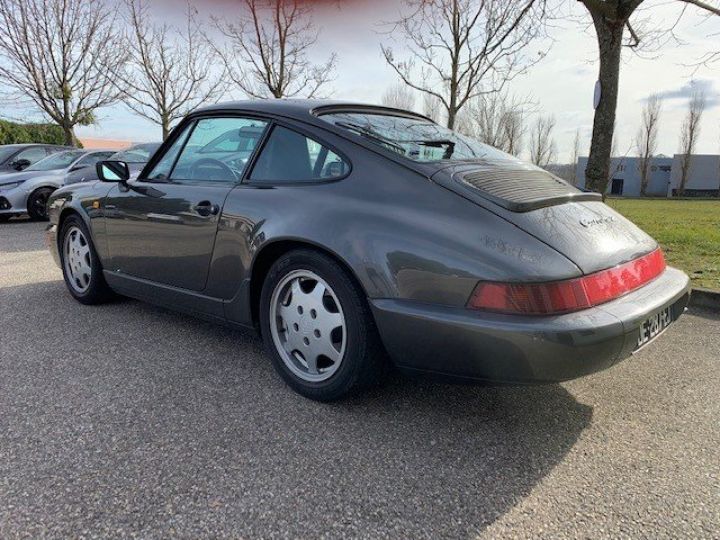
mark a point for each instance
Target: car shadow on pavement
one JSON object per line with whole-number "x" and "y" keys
{"x": 136, "y": 420}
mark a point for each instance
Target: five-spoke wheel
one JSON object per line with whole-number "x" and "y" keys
{"x": 308, "y": 326}
{"x": 317, "y": 325}
{"x": 76, "y": 253}
{"x": 80, "y": 264}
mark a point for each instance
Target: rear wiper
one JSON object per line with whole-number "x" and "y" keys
{"x": 439, "y": 143}
{"x": 370, "y": 134}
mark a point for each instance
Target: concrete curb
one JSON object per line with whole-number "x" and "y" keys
{"x": 705, "y": 298}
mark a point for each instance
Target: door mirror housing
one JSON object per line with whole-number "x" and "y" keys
{"x": 20, "y": 164}
{"x": 113, "y": 171}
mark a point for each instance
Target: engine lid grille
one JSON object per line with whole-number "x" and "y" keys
{"x": 521, "y": 188}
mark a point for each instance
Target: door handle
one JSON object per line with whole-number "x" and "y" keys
{"x": 206, "y": 208}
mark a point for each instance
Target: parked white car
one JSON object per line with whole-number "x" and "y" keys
{"x": 27, "y": 192}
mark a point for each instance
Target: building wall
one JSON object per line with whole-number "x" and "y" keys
{"x": 104, "y": 144}
{"x": 626, "y": 171}
{"x": 703, "y": 175}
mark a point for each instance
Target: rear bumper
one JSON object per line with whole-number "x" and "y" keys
{"x": 475, "y": 345}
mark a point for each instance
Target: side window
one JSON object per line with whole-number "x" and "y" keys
{"x": 161, "y": 170}
{"x": 34, "y": 154}
{"x": 218, "y": 149}
{"x": 93, "y": 158}
{"x": 289, "y": 156}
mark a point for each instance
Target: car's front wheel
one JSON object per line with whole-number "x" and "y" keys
{"x": 317, "y": 326}
{"x": 80, "y": 263}
{"x": 37, "y": 204}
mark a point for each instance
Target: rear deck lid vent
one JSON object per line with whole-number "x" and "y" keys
{"x": 521, "y": 188}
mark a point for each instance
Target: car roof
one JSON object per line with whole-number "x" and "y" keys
{"x": 25, "y": 145}
{"x": 303, "y": 109}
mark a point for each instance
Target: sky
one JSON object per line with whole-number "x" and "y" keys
{"x": 561, "y": 84}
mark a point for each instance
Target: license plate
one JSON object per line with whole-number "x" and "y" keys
{"x": 653, "y": 326}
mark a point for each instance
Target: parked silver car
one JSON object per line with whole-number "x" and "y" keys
{"x": 18, "y": 157}
{"x": 136, "y": 157}
{"x": 27, "y": 192}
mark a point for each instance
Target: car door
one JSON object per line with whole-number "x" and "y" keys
{"x": 161, "y": 227}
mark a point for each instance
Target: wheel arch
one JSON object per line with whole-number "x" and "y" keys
{"x": 271, "y": 252}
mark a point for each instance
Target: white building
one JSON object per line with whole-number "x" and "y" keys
{"x": 703, "y": 176}
{"x": 665, "y": 172}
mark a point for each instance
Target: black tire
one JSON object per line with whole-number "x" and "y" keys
{"x": 37, "y": 204}
{"x": 97, "y": 291}
{"x": 4, "y": 218}
{"x": 363, "y": 362}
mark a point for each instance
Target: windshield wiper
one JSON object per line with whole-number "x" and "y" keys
{"x": 439, "y": 143}
{"x": 370, "y": 134}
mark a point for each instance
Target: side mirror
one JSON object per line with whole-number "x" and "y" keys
{"x": 20, "y": 164}
{"x": 113, "y": 171}
{"x": 77, "y": 168}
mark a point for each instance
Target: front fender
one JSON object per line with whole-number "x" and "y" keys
{"x": 86, "y": 201}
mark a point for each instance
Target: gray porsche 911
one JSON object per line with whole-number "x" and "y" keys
{"x": 354, "y": 237}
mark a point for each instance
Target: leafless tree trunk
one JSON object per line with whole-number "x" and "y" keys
{"x": 574, "y": 156}
{"x": 610, "y": 18}
{"x": 515, "y": 132}
{"x": 688, "y": 137}
{"x": 646, "y": 139}
{"x": 58, "y": 54}
{"x": 498, "y": 120}
{"x": 542, "y": 144}
{"x": 431, "y": 107}
{"x": 268, "y": 51}
{"x": 460, "y": 49}
{"x": 399, "y": 97}
{"x": 169, "y": 71}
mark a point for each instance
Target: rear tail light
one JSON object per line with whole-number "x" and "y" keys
{"x": 569, "y": 295}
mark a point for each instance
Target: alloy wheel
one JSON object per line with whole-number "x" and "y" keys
{"x": 38, "y": 203}
{"x": 76, "y": 255}
{"x": 308, "y": 325}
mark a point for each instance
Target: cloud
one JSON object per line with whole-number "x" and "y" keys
{"x": 685, "y": 92}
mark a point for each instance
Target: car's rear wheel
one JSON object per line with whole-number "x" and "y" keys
{"x": 318, "y": 328}
{"x": 37, "y": 204}
{"x": 81, "y": 265}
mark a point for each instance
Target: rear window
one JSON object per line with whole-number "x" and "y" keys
{"x": 414, "y": 138}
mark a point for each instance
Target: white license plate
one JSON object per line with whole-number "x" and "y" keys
{"x": 653, "y": 326}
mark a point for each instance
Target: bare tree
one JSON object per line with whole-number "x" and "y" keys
{"x": 399, "y": 97}
{"x": 498, "y": 120}
{"x": 57, "y": 53}
{"x": 689, "y": 136}
{"x": 268, "y": 53}
{"x": 574, "y": 156}
{"x": 460, "y": 49}
{"x": 431, "y": 107}
{"x": 542, "y": 144}
{"x": 169, "y": 70}
{"x": 514, "y": 132}
{"x": 646, "y": 139}
{"x": 610, "y": 19}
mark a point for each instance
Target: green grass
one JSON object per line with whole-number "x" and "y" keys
{"x": 687, "y": 230}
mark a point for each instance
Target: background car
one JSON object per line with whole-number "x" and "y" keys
{"x": 18, "y": 157}
{"x": 136, "y": 157}
{"x": 27, "y": 192}
{"x": 344, "y": 232}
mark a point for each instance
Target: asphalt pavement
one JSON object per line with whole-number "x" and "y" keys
{"x": 127, "y": 420}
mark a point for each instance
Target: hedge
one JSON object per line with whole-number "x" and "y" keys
{"x": 13, "y": 133}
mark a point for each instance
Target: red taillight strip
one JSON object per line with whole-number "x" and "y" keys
{"x": 570, "y": 295}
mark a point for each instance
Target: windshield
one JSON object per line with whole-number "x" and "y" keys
{"x": 7, "y": 152}
{"x": 137, "y": 154}
{"x": 60, "y": 160}
{"x": 415, "y": 138}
